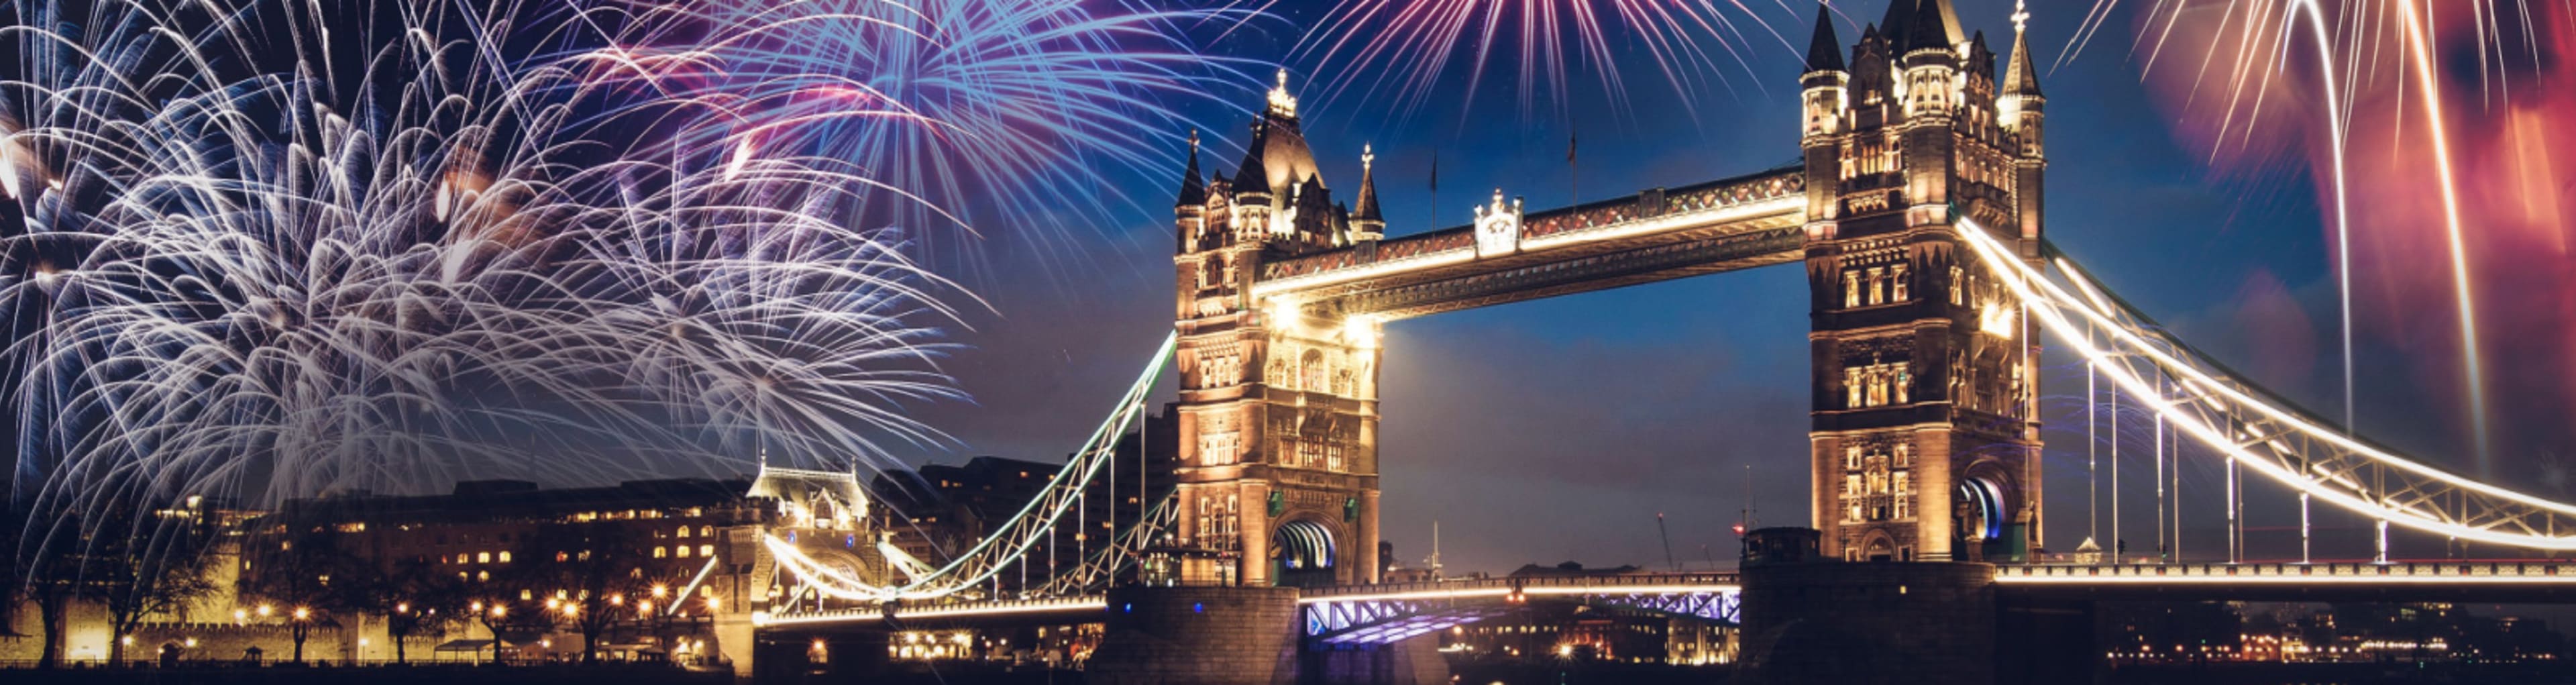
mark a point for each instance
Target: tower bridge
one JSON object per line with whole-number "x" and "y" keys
{"x": 1917, "y": 212}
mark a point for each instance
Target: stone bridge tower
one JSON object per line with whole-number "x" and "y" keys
{"x": 1278, "y": 408}
{"x": 1925, "y": 444}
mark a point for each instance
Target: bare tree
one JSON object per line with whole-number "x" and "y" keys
{"x": 593, "y": 574}
{"x": 294, "y": 575}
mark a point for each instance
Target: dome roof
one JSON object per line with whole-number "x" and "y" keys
{"x": 1278, "y": 151}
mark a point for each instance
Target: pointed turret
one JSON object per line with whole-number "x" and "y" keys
{"x": 1250, "y": 175}
{"x": 1927, "y": 30}
{"x": 1193, "y": 188}
{"x": 1367, "y": 223}
{"x": 1825, "y": 52}
{"x": 2019, "y": 77}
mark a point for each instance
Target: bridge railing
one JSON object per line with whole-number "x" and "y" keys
{"x": 2465, "y": 571}
{"x": 1641, "y": 581}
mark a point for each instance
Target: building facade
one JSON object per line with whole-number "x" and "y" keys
{"x": 1925, "y": 443}
{"x": 1278, "y": 474}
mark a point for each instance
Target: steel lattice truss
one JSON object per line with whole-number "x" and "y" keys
{"x": 1032, "y": 527}
{"x": 1391, "y": 613}
{"x": 2257, "y": 429}
{"x": 1100, "y": 568}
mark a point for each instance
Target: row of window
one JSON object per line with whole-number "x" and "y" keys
{"x": 1875, "y": 285}
{"x": 682, "y": 551}
{"x": 1877, "y": 385}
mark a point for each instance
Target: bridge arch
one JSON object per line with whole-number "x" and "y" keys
{"x": 1303, "y": 552}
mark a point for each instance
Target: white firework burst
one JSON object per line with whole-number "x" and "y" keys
{"x": 238, "y": 258}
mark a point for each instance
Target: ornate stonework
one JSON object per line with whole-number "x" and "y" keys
{"x": 1924, "y": 443}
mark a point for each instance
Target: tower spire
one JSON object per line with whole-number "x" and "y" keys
{"x": 1193, "y": 188}
{"x": 1366, "y": 221}
{"x": 1281, "y": 103}
{"x": 1825, "y": 53}
{"x": 2019, "y": 76}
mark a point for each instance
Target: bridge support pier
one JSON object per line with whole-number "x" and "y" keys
{"x": 1199, "y": 635}
{"x": 1414, "y": 661}
{"x": 836, "y": 656}
{"x": 2047, "y": 641}
{"x": 1884, "y": 622}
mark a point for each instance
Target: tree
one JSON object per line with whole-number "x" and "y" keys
{"x": 411, "y": 597}
{"x": 293, "y": 576}
{"x": 132, "y": 565}
{"x": 146, "y": 572}
{"x": 590, "y": 574}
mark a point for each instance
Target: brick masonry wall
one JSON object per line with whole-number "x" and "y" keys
{"x": 1927, "y": 623}
{"x": 1198, "y": 635}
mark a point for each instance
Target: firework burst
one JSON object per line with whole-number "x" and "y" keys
{"x": 1024, "y": 116}
{"x": 2431, "y": 110}
{"x": 1405, "y": 49}
{"x": 247, "y": 261}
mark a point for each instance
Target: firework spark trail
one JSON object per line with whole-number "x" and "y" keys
{"x": 234, "y": 262}
{"x": 1403, "y": 50}
{"x": 2256, "y": 47}
{"x": 1008, "y": 111}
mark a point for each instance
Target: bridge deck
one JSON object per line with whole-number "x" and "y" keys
{"x": 1342, "y": 607}
{"x": 1736, "y": 223}
{"x": 2488, "y": 581}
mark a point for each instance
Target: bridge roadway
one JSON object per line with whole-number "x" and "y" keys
{"x": 1386, "y": 612}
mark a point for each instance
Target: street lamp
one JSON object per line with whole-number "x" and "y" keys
{"x": 660, "y": 590}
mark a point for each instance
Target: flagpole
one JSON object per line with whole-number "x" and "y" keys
{"x": 1435, "y": 190}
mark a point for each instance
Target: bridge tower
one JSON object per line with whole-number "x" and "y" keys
{"x": 1278, "y": 405}
{"x": 1925, "y": 444}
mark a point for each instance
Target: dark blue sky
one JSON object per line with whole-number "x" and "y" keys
{"x": 1556, "y": 430}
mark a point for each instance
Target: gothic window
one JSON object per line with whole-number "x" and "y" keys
{"x": 1853, "y": 512}
{"x": 1877, "y": 385}
{"x": 1904, "y": 379}
{"x": 1896, "y": 283}
{"x": 1956, "y": 298}
{"x": 1311, "y": 372}
{"x": 1851, "y": 458}
{"x": 1904, "y": 455}
{"x": 1852, "y": 382}
{"x": 1851, "y": 485}
{"x": 1877, "y": 286}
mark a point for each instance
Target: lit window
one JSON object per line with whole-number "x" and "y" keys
{"x": 482, "y": 575}
{"x": 1877, "y": 286}
{"x": 1851, "y": 289}
{"x": 483, "y": 557}
{"x": 661, "y": 552}
{"x": 681, "y": 552}
{"x": 706, "y": 550}
{"x": 505, "y": 557}
{"x": 706, "y": 531}
{"x": 684, "y": 531}
{"x": 1896, "y": 283}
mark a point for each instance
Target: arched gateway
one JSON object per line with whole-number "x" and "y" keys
{"x": 1924, "y": 443}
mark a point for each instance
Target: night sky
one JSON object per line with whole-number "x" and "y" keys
{"x": 1556, "y": 430}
